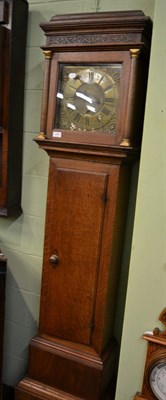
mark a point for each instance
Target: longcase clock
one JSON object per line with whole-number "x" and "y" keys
{"x": 91, "y": 125}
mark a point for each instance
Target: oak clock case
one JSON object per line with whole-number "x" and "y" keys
{"x": 96, "y": 69}
{"x": 154, "y": 381}
{"x": 13, "y": 30}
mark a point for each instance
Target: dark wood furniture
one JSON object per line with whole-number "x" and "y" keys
{"x": 97, "y": 65}
{"x": 13, "y": 28}
{"x": 154, "y": 380}
{"x": 3, "y": 262}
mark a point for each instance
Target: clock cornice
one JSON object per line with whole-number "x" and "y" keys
{"x": 123, "y": 30}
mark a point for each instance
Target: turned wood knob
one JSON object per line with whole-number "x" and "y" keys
{"x": 54, "y": 260}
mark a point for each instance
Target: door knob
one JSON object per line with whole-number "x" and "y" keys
{"x": 54, "y": 260}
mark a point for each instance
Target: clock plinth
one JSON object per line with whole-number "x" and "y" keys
{"x": 96, "y": 69}
{"x": 30, "y": 389}
{"x": 154, "y": 386}
{"x": 70, "y": 369}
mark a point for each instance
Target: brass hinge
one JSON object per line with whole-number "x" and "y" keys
{"x": 104, "y": 197}
{"x": 92, "y": 326}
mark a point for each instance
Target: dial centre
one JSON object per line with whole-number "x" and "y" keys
{"x": 89, "y": 99}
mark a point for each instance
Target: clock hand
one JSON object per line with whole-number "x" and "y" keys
{"x": 90, "y": 109}
{"x": 84, "y": 97}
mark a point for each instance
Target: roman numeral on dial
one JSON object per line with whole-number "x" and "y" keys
{"x": 77, "y": 117}
{"x": 110, "y": 100}
{"x": 91, "y": 76}
{"x": 105, "y": 111}
{"x": 87, "y": 122}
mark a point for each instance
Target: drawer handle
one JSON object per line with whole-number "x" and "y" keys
{"x": 54, "y": 260}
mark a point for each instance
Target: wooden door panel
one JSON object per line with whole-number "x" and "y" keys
{"x": 76, "y": 228}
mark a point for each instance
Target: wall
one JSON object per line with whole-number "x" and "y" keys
{"x": 22, "y": 239}
{"x": 146, "y": 294}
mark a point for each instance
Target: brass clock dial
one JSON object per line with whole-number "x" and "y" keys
{"x": 89, "y": 98}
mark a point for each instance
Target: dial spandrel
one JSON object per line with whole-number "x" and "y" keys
{"x": 87, "y": 98}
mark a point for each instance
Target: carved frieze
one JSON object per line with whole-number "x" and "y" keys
{"x": 92, "y": 39}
